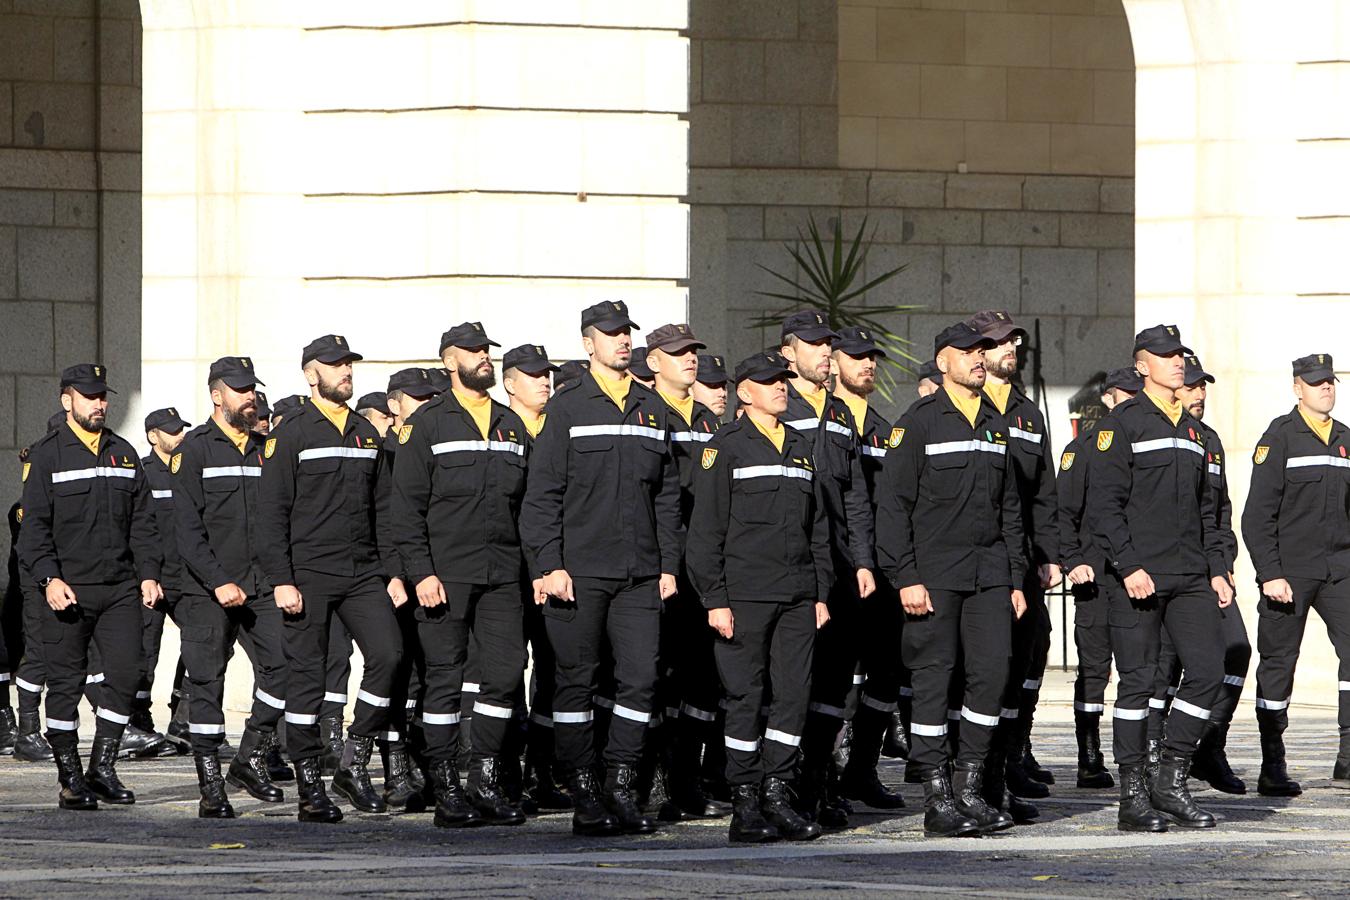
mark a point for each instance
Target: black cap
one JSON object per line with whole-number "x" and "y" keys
{"x": 87, "y": 378}
{"x": 467, "y": 336}
{"x": 1127, "y": 379}
{"x": 440, "y": 379}
{"x": 961, "y": 336}
{"x": 858, "y": 341}
{"x": 996, "y": 325}
{"x": 376, "y": 400}
{"x": 166, "y": 419}
{"x": 1161, "y": 340}
{"x": 236, "y": 371}
{"x": 260, "y": 403}
{"x": 809, "y": 325}
{"x": 637, "y": 364}
{"x": 711, "y": 369}
{"x": 531, "y": 359}
{"x": 763, "y": 367}
{"x": 1315, "y": 369}
{"x": 674, "y": 339}
{"x": 288, "y": 406}
{"x": 1195, "y": 373}
{"x": 930, "y": 371}
{"x": 609, "y": 316}
{"x": 571, "y": 370}
{"x": 56, "y": 420}
{"x": 414, "y": 382}
{"x": 330, "y": 350}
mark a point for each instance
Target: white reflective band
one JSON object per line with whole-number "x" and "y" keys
{"x": 694, "y": 712}
{"x": 1271, "y": 704}
{"x": 469, "y": 687}
{"x": 478, "y": 447}
{"x": 838, "y": 429}
{"x": 573, "y": 718}
{"x": 1166, "y": 444}
{"x": 496, "y": 712}
{"x": 971, "y": 716}
{"x": 927, "y": 730}
{"x": 826, "y": 710}
{"x": 1089, "y": 707}
{"x": 1301, "y": 462}
{"x": 392, "y": 737}
{"x": 232, "y": 472}
{"x": 4, "y": 676}
{"x": 878, "y": 705}
{"x": 953, "y": 715}
{"x": 95, "y": 472}
{"x": 209, "y": 728}
{"x": 140, "y": 695}
{"x": 1155, "y": 703}
{"x": 604, "y": 702}
{"x": 111, "y": 716}
{"x": 656, "y": 434}
{"x": 1343, "y": 685}
{"x": 62, "y": 724}
{"x": 94, "y": 679}
{"x": 162, "y": 495}
{"x": 330, "y": 697}
{"x": 656, "y": 720}
{"x": 1031, "y": 684}
{"x": 338, "y": 452}
{"x": 874, "y": 451}
{"x": 963, "y": 447}
{"x": 746, "y": 746}
{"x": 1172, "y": 691}
{"x": 440, "y": 718}
{"x": 906, "y": 692}
{"x": 699, "y": 437}
{"x": 542, "y": 720}
{"x": 1190, "y": 709}
{"x": 27, "y": 685}
{"x": 372, "y": 699}
{"x": 410, "y": 704}
{"x": 1006, "y": 713}
{"x": 1215, "y": 470}
{"x": 859, "y": 678}
{"x": 301, "y": 719}
{"x": 1029, "y": 436}
{"x": 1132, "y": 715}
{"x": 782, "y": 737}
{"x": 769, "y": 472}
{"x": 631, "y": 715}
{"x": 269, "y": 699}
{"x": 803, "y": 424}
{"x": 1239, "y": 681}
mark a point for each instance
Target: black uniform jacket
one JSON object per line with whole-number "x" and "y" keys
{"x": 1297, "y": 518}
{"x": 457, "y": 495}
{"x": 1029, "y": 450}
{"x": 876, "y": 432}
{"x": 948, "y": 512}
{"x": 318, "y": 498}
{"x": 217, "y": 492}
{"x": 162, "y": 503}
{"x": 687, "y": 443}
{"x": 87, "y": 516}
{"x": 758, "y": 533}
{"x": 1151, "y": 504}
{"x": 1077, "y": 544}
{"x": 603, "y": 495}
{"x": 1216, "y": 471}
{"x": 841, "y": 485}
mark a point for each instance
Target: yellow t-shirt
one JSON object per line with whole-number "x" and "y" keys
{"x": 684, "y": 407}
{"x": 615, "y": 389}
{"x": 533, "y": 424}
{"x": 776, "y": 434}
{"x": 88, "y": 438}
{"x": 817, "y": 400}
{"x": 333, "y": 412}
{"x": 480, "y": 408}
{"x": 969, "y": 406}
{"x": 1171, "y": 410}
{"x": 999, "y": 393}
{"x": 239, "y": 438}
{"x": 1321, "y": 429}
{"x": 858, "y": 407}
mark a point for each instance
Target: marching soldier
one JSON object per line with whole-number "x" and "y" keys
{"x": 88, "y": 538}
{"x": 374, "y": 407}
{"x": 264, "y": 425}
{"x": 318, "y": 550}
{"x": 1296, "y": 529}
{"x": 601, "y": 526}
{"x": 638, "y": 368}
{"x": 710, "y": 387}
{"x": 950, "y": 528}
{"x": 1153, "y": 513}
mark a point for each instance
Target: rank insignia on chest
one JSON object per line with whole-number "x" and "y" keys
{"x": 709, "y": 457}
{"x": 404, "y": 432}
{"x": 27, "y": 467}
{"x": 1260, "y": 455}
{"x": 269, "y": 448}
{"x": 175, "y": 463}
{"x": 1066, "y": 461}
{"x": 1342, "y": 449}
{"x": 1104, "y": 439}
{"x": 897, "y": 435}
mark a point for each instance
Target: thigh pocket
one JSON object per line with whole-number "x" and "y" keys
{"x": 1122, "y": 617}
{"x": 1087, "y": 614}
{"x": 560, "y": 610}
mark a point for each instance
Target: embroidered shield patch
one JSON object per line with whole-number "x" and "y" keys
{"x": 175, "y": 463}
{"x": 26, "y": 468}
{"x": 404, "y": 432}
{"x": 1104, "y": 439}
{"x": 897, "y": 435}
{"x": 269, "y": 448}
{"x": 709, "y": 457}
{"x": 1066, "y": 461}
{"x": 1260, "y": 455}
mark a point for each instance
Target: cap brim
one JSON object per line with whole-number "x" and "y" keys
{"x": 1195, "y": 378}
{"x": 764, "y": 376}
{"x": 813, "y": 333}
{"x": 967, "y": 342}
{"x": 1165, "y": 349}
{"x": 333, "y": 359}
{"x": 173, "y": 427}
{"x": 712, "y": 380}
{"x": 1000, "y": 333}
{"x": 861, "y": 349}
{"x": 241, "y": 382}
{"x": 679, "y": 345}
{"x": 90, "y": 388}
{"x": 536, "y": 367}
{"x": 609, "y": 326}
{"x": 1317, "y": 376}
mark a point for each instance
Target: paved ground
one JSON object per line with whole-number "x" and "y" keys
{"x": 158, "y": 848}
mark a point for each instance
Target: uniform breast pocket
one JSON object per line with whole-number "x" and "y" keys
{"x": 514, "y": 467}
{"x": 1304, "y": 474}
{"x": 755, "y": 502}
{"x": 945, "y": 475}
{"x": 649, "y": 460}
{"x": 590, "y": 457}
{"x": 839, "y": 452}
{"x": 320, "y": 467}
{"x": 70, "y": 499}
{"x": 455, "y": 475}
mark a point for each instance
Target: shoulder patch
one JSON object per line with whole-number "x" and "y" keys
{"x": 27, "y": 467}
{"x": 1104, "y": 439}
{"x": 897, "y": 435}
{"x": 1260, "y": 455}
{"x": 709, "y": 457}
{"x": 404, "y": 432}
{"x": 18, "y": 515}
{"x": 175, "y": 463}
{"x": 1066, "y": 461}
{"x": 269, "y": 448}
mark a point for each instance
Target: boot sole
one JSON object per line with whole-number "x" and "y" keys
{"x": 957, "y": 833}
{"x": 1269, "y": 793}
{"x": 322, "y": 820}
{"x": 1225, "y": 789}
{"x": 216, "y": 814}
{"x": 360, "y": 806}
{"x": 1098, "y": 784}
{"x": 78, "y": 807}
{"x": 757, "y": 839}
{"x": 1160, "y": 828}
{"x": 243, "y": 786}
{"x": 116, "y": 801}
{"x": 440, "y": 822}
{"x": 1183, "y": 823}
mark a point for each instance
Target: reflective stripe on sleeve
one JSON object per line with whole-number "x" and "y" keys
{"x": 477, "y": 447}
{"x": 337, "y": 453}
{"x": 656, "y": 434}
{"x": 93, "y": 472}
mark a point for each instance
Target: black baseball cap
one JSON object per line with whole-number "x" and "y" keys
{"x": 572, "y": 370}
{"x": 637, "y": 364}
{"x": 330, "y": 350}
{"x": 236, "y": 371}
{"x": 1161, "y": 340}
{"x": 261, "y": 405}
{"x": 531, "y": 359}
{"x": 930, "y": 371}
{"x": 609, "y": 316}
{"x": 674, "y": 338}
{"x": 711, "y": 369}
{"x": 288, "y": 406}
{"x": 1195, "y": 373}
{"x": 961, "y": 336}
{"x": 809, "y": 325}
{"x": 166, "y": 420}
{"x": 415, "y": 382}
{"x": 467, "y": 336}
{"x": 858, "y": 341}
{"x": 1315, "y": 369}
{"x": 87, "y": 378}
{"x": 56, "y": 420}
{"x": 376, "y": 400}
{"x": 440, "y": 379}
{"x": 1126, "y": 379}
{"x": 996, "y": 324}
{"x": 763, "y": 367}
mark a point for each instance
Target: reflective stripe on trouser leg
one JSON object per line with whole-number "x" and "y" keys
{"x": 368, "y": 616}
{"x": 262, "y": 635}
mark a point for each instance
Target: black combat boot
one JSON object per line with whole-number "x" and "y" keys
{"x": 330, "y": 735}
{"x": 177, "y": 734}
{"x": 748, "y": 825}
{"x": 139, "y": 742}
{"x": 621, "y": 800}
{"x": 589, "y": 816}
{"x": 1092, "y": 771}
{"x": 9, "y": 731}
{"x": 1275, "y": 780}
{"x": 941, "y": 818}
{"x": 1210, "y": 763}
{"x": 248, "y": 769}
{"x": 75, "y": 792}
{"x": 994, "y": 788}
{"x": 314, "y": 803}
{"x": 834, "y": 807}
{"x": 896, "y": 745}
{"x": 543, "y": 787}
{"x": 686, "y": 788}
{"x": 401, "y": 794}
{"x": 1136, "y": 812}
{"x": 913, "y": 772}
{"x": 487, "y": 796}
{"x": 1168, "y": 793}
{"x": 144, "y": 721}
{"x": 453, "y": 809}
{"x": 102, "y": 772}
{"x": 1034, "y": 769}
{"x": 1020, "y": 782}
{"x": 353, "y": 775}
{"x": 967, "y": 781}
{"x": 776, "y": 804}
{"x": 1340, "y": 773}
{"x": 30, "y": 745}
{"x": 1154, "y": 754}
{"x": 277, "y": 767}
{"x": 860, "y": 780}
{"x": 214, "y": 803}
